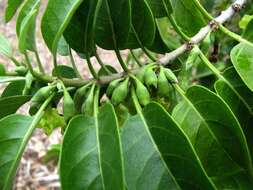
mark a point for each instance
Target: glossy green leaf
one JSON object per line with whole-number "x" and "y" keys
{"x": 5, "y": 46}
{"x": 238, "y": 104}
{"x": 13, "y": 89}
{"x": 113, "y": 23}
{"x": 55, "y": 19}
{"x": 188, "y": 16}
{"x": 13, "y": 134}
{"x": 213, "y": 130}
{"x": 234, "y": 79}
{"x": 145, "y": 168}
{"x": 10, "y": 105}
{"x": 76, "y": 29}
{"x": 12, "y": 6}
{"x": 142, "y": 20}
{"x": 242, "y": 59}
{"x": 248, "y": 33}
{"x": 26, "y": 8}
{"x": 160, "y": 8}
{"x": 176, "y": 149}
{"x": 64, "y": 72}
{"x": 91, "y": 155}
{"x": 80, "y": 31}
{"x": 238, "y": 181}
{"x": 27, "y": 32}
{"x": 63, "y": 47}
{"x": 158, "y": 45}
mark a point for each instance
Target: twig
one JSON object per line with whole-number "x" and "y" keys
{"x": 225, "y": 16}
{"x": 200, "y": 36}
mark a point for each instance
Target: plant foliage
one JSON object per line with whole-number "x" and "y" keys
{"x": 179, "y": 116}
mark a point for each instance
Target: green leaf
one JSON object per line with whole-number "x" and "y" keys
{"x": 53, "y": 25}
{"x": 12, "y": 6}
{"x": 246, "y": 19}
{"x": 176, "y": 149}
{"x": 213, "y": 130}
{"x": 51, "y": 120}
{"x": 27, "y": 7}
{"x": 10, "y": 105}
{"x": 160, "y": 8}
{"x": 63, "y": 47}
{"x": 242, "y": 59}
{"x": 158, "y": 45}
{"x": 145, "y": 167}
{"x": 238, "y": 181}
{"x": 234, "y": 79}
{"x": 13, "y": 134}
{"x": 248, "y": 33}
{"x": 106, "y": 70}
{"x": 5, "y": 47}
{"x": 14, "y": 89}
{"x": 188, "y": 16}
{"x": 27, "y": 32}
{"x": 64, "y": 71}
{"x": 142, "y": 20}
{"x": 80, "y": 31}
{"x": 237, "y": 103}
{"x": 52, "y": 154}
{"x": 113, "y": 24}
{"x": 91, "y": 155}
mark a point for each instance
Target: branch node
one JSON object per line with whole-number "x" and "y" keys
{"x": 214, "y": 25}
{"x": 237, "y": 7}
{"x": 189, "y": 46}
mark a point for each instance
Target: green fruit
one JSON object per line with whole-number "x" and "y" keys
{"x": 88, "y": 105}
{"x": 150, "y": 77}
{"x": 21, "y": 70}
{"x": 163, "y": 84}
{"x": 68, "y": 105}
{"x": 112, "y": 87}
{"x": 120, "y": 93}
{"x": 80, "y": 96}
{"x": 28, "y": 83}
{"x": 42, "y": 94}
{"x": 170, "y": 76}
{"x": 141, "y": 74}
{"x": 142, "y": 93}
{"x": 192, "y": 57}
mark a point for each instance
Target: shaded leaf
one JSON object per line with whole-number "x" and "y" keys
{"x": 64, "y": 72}
{"x": 113, "y": 24}
{"x": 14, "y": 89}
{"x": 10, "y": 105}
